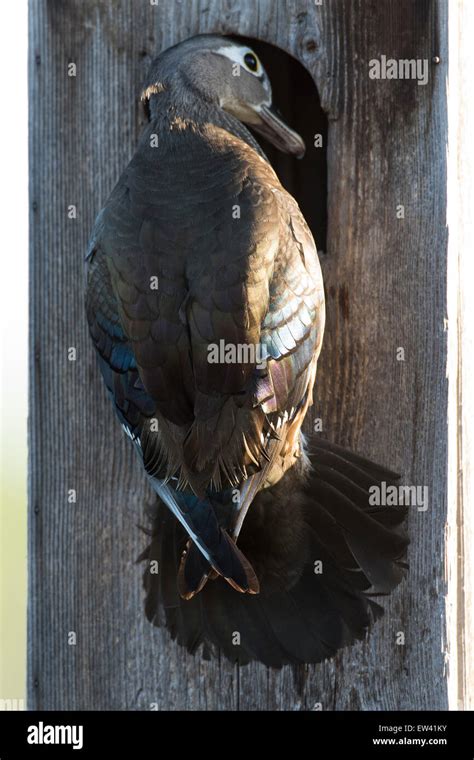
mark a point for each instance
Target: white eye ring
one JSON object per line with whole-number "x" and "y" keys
{"x": 238, "y": 55}
{"x": 251, "y": 62}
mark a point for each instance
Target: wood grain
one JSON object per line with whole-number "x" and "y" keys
{"x": 386, "y": 287}
{"x": 460, "y": 566}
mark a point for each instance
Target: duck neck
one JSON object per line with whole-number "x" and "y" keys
{"x": 166, "y": 111}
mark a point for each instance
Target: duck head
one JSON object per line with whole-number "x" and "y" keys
{"x": 229, "y": 75}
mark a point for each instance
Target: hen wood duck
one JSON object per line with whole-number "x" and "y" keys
{"x": 263, "y": 544}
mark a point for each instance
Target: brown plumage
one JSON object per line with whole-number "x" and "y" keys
{"x": 198, "y": 250}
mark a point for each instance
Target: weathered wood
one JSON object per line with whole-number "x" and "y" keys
{"x": 385, "y": 280}
{"x": 460, "y": 527}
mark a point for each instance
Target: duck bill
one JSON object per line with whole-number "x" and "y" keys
{"x": 271, "y": 126}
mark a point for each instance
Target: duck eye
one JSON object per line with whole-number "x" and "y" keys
{"x": 251, "y": 61}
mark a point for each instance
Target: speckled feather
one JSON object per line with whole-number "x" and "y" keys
{"x": 250, "y": 280}
{"x": 199, "y": 245}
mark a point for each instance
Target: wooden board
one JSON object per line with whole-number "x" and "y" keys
{"x": 386, "y": 286}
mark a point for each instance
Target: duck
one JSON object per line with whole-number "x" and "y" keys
{"x": 205, "y": 305}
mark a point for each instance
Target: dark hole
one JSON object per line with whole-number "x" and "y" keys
{"x": 145, "y": 106}
{"x": 296, "y": 96}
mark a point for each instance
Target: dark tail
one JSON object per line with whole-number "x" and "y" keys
{"x": 319, "y": 550}
{"x": 230, "y": 563}
{"x": 211, "y": 549}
